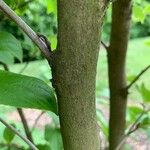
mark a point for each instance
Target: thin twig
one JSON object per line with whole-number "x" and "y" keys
{"x": 135, "y": 126}
{"x": 32, "y": 35}
{"x": 132, "y": 129}
{"x": 36, "y": 121}
{"x": 104, "y": 45}
{"x": 137, "y": 77}
{"x": 31, "y": 145}
{"x": 4, "y": 66}
{"x": 25, "y": 124}
{"x": 24, "y": 67}
{"x": 27, "y": 63}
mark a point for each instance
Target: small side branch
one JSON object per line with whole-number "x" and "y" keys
{"x": 27, "y": 63}
{"x": 104, "y": 45}
{"x": 25, "y": 124}
{"x": 4, "y": 66}
{"x": 133, "y": 128}
{"x": 31, "y": 145}
{"x": 32, "y": 35}
{"x": 137, "y": 77}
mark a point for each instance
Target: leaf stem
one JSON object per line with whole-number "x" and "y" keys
{"x": 104, "y": 45}
{"x": 137, "y": 77}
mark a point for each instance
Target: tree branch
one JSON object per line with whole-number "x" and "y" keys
{"x": 32, "y": 35}
{"x": 25, "y": 125}
{"x": 137, "y": 77}
{"x": 27, "y": 63}
{"x": 104, "y": 45}
{"x": 4, "y": 66}
{"x": 132, "y": 129}
{"x": 32, "y": 146}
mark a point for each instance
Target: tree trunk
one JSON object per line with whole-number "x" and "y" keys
{"x": 121, "y": 17}
{"x": 74, "y": 71}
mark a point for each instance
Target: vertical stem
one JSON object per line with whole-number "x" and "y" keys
{"x": 121, "y": 17}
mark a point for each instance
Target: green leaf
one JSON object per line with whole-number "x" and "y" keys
{"x": 27, "y": 92}
{"x": 10, "y": 47}
{"x": 13, "y": 4}
{"x": 43, "y": 147}
{"x": 53, "y": 136}
{"x": 6, "y": 57}
{"x": 131, "y": 78}
{"x": 53, "y": 40}
{"x": 52, "y": 6}
{"x": 138, "y": 13}
{"x": 147, "y": 10}
{"x": 9, "y": 134}
{"x": 147, "y": 43}
{"x": 145, "y": 122}
{"x": 133, "y": 112}
{"x": 145, "y": 93}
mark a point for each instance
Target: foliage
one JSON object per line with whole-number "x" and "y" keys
{"x": 145, "y": 93}
{"x": 19, "y": 90}
{"x": 141, "y": 10}
{"x": 51, "y": 140}
{"x": 34, "y": 13}
{"x": 140, "y": 26}
{"x": 27, "y": 92}
{"x": 53, "y": 136}
{"x": 10, "y": 48}
{"x": 8, "y": 134}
